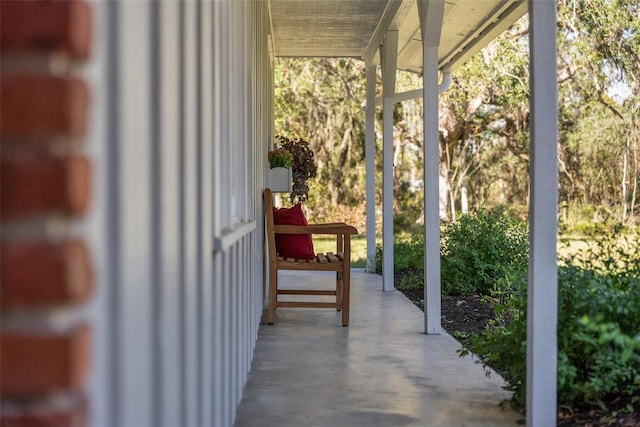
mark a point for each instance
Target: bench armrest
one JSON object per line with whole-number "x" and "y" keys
{"x": 330, "y": 228}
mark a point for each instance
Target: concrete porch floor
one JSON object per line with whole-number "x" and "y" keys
{"x": 381, "y": 370}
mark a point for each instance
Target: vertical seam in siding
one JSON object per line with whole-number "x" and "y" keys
{"x": 156, "y": 288}
{"x": 113, "y": 202}
{"x": 199, "y": 231}
{"x": 226, "y": 392}
{"x": 181, "y": 215}
{"x": 216, "y": 409}
{"x": 217, "y": 341}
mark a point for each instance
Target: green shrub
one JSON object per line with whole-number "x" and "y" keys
{"x": 478, "y": 250}
{"x": 411, "y": 280}
{"x": 599, "y": 321}
{"x": 408, "y": 253}
{"x": 503, "y": 346}
{"x": 598, "y": 326}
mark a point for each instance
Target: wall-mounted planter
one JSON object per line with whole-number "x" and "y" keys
{"x": 280, "y": 180}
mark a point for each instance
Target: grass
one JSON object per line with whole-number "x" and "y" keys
{"x": 358, "y": 248}
{"x": 573, "y": 246}
{"x": 580, "y": 246}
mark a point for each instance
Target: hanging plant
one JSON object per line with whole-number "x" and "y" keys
{"x": 303, "y": 167}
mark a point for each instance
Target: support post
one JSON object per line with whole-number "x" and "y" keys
{"x": 542, "y": 293}
{"x": 431, "y": 15}
{"x": 389, "y": 56}
{"x": 370, "y": 152}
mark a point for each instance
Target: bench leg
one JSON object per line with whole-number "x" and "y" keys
{"x": 339, "y": 290}
{"x": 346, "y": 295}
{"x": 273, "y": 295}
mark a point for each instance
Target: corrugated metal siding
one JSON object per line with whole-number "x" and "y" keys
{"x": 183, "y": 119}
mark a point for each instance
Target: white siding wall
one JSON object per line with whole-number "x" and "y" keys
{"x": 182, "y": 122}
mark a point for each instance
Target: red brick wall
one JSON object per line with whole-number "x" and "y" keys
{"x": 45, "y": 191}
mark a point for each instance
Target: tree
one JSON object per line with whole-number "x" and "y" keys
{"x": 599, "y": 41}
{"x": 484, "y": 125}
{"x": 484, "y": 120}
{"x": 320, "y": 100}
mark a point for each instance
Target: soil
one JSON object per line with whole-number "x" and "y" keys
{"x": 463, "y": 316}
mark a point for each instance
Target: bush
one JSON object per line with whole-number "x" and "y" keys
{"x": 476, "y": 253}
{"x": 408, "y": 253}
{"x": 598, "y": 327}
{"x": 599, "y": 322}
{"x": 478, "y": 250}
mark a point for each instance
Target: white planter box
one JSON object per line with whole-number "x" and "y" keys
{"x": 280, "y": 180}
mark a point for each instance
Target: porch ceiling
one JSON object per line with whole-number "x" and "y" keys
{"x": 355, "y": 28}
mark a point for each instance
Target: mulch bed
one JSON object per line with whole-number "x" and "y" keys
{"x": 464, "y": 315}
{"x": 461, "y": 315}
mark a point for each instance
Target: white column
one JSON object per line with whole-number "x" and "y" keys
{"x": 389, "y": 56}
{"x": 542, "y": 302}
{"x": 370, "y": 152}
{"x": 431, "y": 14}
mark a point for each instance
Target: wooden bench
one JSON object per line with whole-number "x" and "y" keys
{"x": 339, "y": 261}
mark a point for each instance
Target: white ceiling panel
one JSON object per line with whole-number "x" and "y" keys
{"x": 355, "y": 28}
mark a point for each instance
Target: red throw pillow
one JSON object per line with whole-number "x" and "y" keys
{"x": 293, "y": 245}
